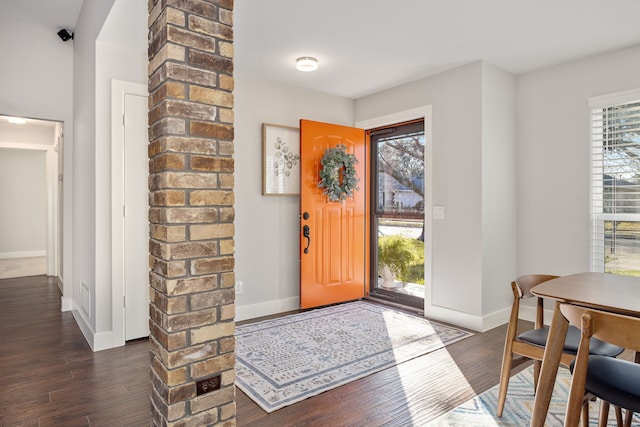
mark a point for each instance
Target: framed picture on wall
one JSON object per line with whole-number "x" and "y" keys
{"x": 280, "y": 160}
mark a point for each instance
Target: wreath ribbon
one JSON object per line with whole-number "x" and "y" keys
{"x": 338, "y": 177}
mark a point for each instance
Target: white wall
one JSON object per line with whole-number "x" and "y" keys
{"x": 455, "y": 97}
{"x": 85, "y": 106}
{"x": 37, "y": 82}
{"x": 99, "y": 58}
{"x": 23, "y": 192}
{"x": 266, "y": 240}
{"x": 499, "y": 198}
{"x": 553, "y": 157}
{"x": 472, "y": 121}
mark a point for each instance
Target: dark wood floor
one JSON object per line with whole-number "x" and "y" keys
{"x": 50, "y": 377}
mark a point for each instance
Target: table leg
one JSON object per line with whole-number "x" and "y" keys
{"x": 550, "y": 363}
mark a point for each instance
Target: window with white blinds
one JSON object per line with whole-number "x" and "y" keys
{"x": 615, "y": 137}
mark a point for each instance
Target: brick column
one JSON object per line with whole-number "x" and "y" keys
{"x": 191, "y": 212}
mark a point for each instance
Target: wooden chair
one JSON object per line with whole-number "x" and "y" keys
{"x": 531, "y": 343}
{"x": 614, "y": 381}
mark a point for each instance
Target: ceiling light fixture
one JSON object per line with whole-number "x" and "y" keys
{"x": 306, "y": 64}
{"x": 17, "y": 120}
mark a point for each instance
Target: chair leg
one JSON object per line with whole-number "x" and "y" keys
{"x": 505, "y": 374}
{"x": 604, "y": 413}
{"x": 619, "y": 417}
{"x": 585, "y": 413}
{"x": 537, "y": 364}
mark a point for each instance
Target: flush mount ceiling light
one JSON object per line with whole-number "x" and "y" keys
{"x": 306, "y": 64}
{"x": 17, "y": 120}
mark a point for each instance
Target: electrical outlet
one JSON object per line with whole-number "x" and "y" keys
{"x": 239, "y": 287}
{"x": 208, "y": 385}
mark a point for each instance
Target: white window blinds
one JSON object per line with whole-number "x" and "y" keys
{"x": 615, "y": 136}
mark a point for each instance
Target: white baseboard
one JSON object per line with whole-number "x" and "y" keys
{"x": 104, "y": 341}
{"x": 466, "y": 320}
{"x": 24, "y": 254}
{"x": 66, "y": 304}
{"x": 457, "y": 318}
{"x": 85, "y": 328}
{"x": 97, "y": 341}
{"x": 496, "y": 319}
{"x": 252, "y": 311}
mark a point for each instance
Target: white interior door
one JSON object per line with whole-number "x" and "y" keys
{"x": 136, "y": 223}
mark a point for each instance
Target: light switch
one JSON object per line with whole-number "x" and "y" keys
{"x": 438, "y": 212}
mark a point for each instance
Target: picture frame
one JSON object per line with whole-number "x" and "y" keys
{"x": 280, "y": 160}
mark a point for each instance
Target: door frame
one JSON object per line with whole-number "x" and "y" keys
{"x": 405, "y": 116}
{"x": 119, "y": 89}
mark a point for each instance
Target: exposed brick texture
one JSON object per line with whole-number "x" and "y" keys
{"x": 191, "y": 211}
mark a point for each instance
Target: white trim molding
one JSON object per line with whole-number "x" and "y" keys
{"x": 268, "y": 308}
{"x": 24, "y": 254}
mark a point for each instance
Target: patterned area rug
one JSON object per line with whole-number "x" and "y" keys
{"x": 480, "y": 411}
{"x": 289, "y": 359}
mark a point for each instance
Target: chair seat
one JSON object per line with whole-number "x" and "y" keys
{"x": 539, "y": 337}
{"x": 615, "y": 380}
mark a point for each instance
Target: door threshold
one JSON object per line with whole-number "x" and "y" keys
{"x": 377, "y": 299}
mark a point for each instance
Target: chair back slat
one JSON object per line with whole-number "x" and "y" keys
{"x": 617, "y": 329}
{"x": 525, "y": 283}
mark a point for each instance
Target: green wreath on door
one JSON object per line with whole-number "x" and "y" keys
{"x": 338, "y": 177}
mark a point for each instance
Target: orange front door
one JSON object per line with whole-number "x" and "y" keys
{"x": 334, "y": 267}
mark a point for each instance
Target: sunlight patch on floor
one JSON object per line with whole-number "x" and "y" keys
{"x": 446, "y": 385}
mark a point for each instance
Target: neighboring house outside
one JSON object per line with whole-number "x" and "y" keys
{"x": 621, "y": 193}
{"x": 392, "y": 194}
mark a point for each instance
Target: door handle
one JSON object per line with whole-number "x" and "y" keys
{"x": 306, "y": 232}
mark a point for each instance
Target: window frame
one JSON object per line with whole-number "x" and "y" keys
{"x": 376, "y": 214}
{"x": 598, "y": 217}
{"x": 417, "y": 123}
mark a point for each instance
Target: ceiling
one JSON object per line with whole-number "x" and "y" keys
{"x": 364, "y": 46}
{"x": 54, "y": 14}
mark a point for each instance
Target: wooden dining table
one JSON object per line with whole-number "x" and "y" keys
{"x": 603, "y": 291}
